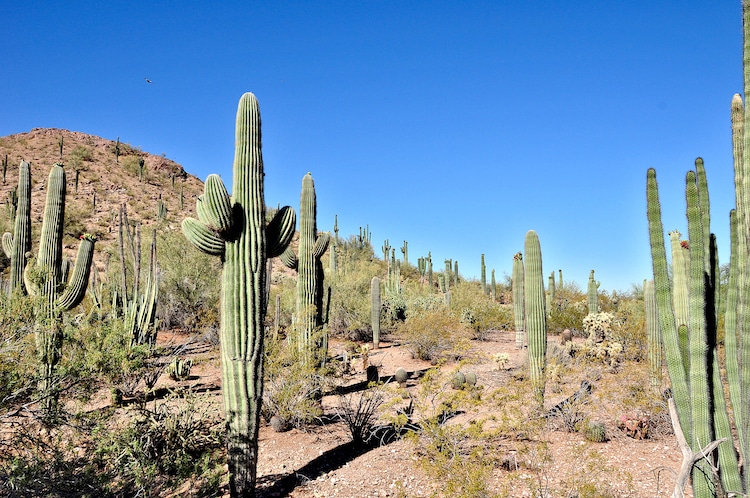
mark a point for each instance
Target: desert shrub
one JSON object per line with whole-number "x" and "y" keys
{"x": 566, "y": 314}
{"x": 359, "y": 411}
{"x": 434, "y": 334}
{"x": 349, "y": 314}
{"x": 189, "y": 286}
{"x": 629, "y": 328}
{"x": 458, "y": 457}
{"x": 17, "y": 350}
{"x": 478, "y": 312}
{"x": 292, "y": 387}
{"x": 177, "y": 438}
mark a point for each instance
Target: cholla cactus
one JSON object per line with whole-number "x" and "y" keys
{"x": 598, "y": 325}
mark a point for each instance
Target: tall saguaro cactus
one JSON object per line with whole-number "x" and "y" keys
{"x": 235, "y": 230}
{"x": 17, "y": 244}
{"x": 536, "y": 316}
{"x": 44, "y": 277}
{"x": 309, "y": 268}
{"x": 694, "y": 369}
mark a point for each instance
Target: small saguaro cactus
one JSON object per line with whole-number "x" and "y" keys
{"x": 405, "y": 252}
{"x": 312, "y": 246}
{"x": 386, "y": 251}
{"x": 234, "y": 229}
{"x": 593, "y": 296}
{"x": 518, "y": 299}
{"x": 375, "y": 305}
{"x": 17, "y": 244}
{"x": 117, "y": 150}
{"x": 430, "y": 278}
{"x": 483, "y": 278}
{"x": 141, "y": 168}
{"x": 493, "y": 285}
{"x": 536, "y": 317}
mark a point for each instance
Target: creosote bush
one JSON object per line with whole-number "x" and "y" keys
{"x": 434, "y": 335}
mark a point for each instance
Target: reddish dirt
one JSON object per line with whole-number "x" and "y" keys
{"x": 318, "y": 462}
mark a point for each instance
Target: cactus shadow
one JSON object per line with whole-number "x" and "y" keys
{"x": 275, "y": 485}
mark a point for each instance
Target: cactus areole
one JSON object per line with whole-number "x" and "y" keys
{"x": 244, "y": 242}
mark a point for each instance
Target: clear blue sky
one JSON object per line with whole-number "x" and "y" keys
{"x": 457, "y": 126}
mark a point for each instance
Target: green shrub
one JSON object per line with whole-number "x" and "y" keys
{"x": 292, "y": 387}
{"x": 478, "y": 312}
{"x": 188, "y": 287}
{"x": 433, "y": 335}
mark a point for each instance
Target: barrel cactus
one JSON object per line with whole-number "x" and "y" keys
{"x": 234, "y": 229}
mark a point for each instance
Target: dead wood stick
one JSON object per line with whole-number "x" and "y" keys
{"x": 688, "y": 456}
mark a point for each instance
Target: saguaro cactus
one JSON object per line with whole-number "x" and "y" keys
{"x": 375, "y": 311}
{"x": 653, "y": 333}
{"x": 17, "y": 244}
{"x": 43, "y": 277}
{"x": 518, "y": 299}
{"x": 309, "y": 268}
{"x": 694, "y": 371}
{"x": 536, "y": 316}
{"x": 483, "y": 275}
{"x": 234, "y": 229}
{"x": 405, "y": 252}
{"x": 593, "y": 294}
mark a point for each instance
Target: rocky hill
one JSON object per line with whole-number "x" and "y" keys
{"x": 105, "y": 180}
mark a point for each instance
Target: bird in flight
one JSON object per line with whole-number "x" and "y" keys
{"x": 148, "y": 80}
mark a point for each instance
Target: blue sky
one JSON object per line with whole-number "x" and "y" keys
{"x": 457, "y": 126}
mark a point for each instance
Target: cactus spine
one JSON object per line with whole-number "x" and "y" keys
{"x": 536, "y": 317}
{"x": 375, "y": 311}
{"x": 16, "y": 245}
{"x": 518, "y": 299}
{"x": 244, "y": 242}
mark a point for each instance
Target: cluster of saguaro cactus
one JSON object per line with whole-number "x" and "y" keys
{"x": 517, "y": 281}
{"x": 364, "y": 238}
{"x": 593, "y": 294}
{"x": 310, "y": 290}
{"x": 137, "y": 303}
{"x": 694, "y": 368}
{"x": 235, "y": 230}
{"x": 45, "y": 278}
{"x": 393, "y": 282}
{"x": 375, "y": 305}
{"x": 535, "y": 314}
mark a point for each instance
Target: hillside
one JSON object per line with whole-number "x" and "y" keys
{"x": 104, "y": 183}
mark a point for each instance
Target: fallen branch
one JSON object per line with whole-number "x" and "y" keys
{"x": 689, "y": 458}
